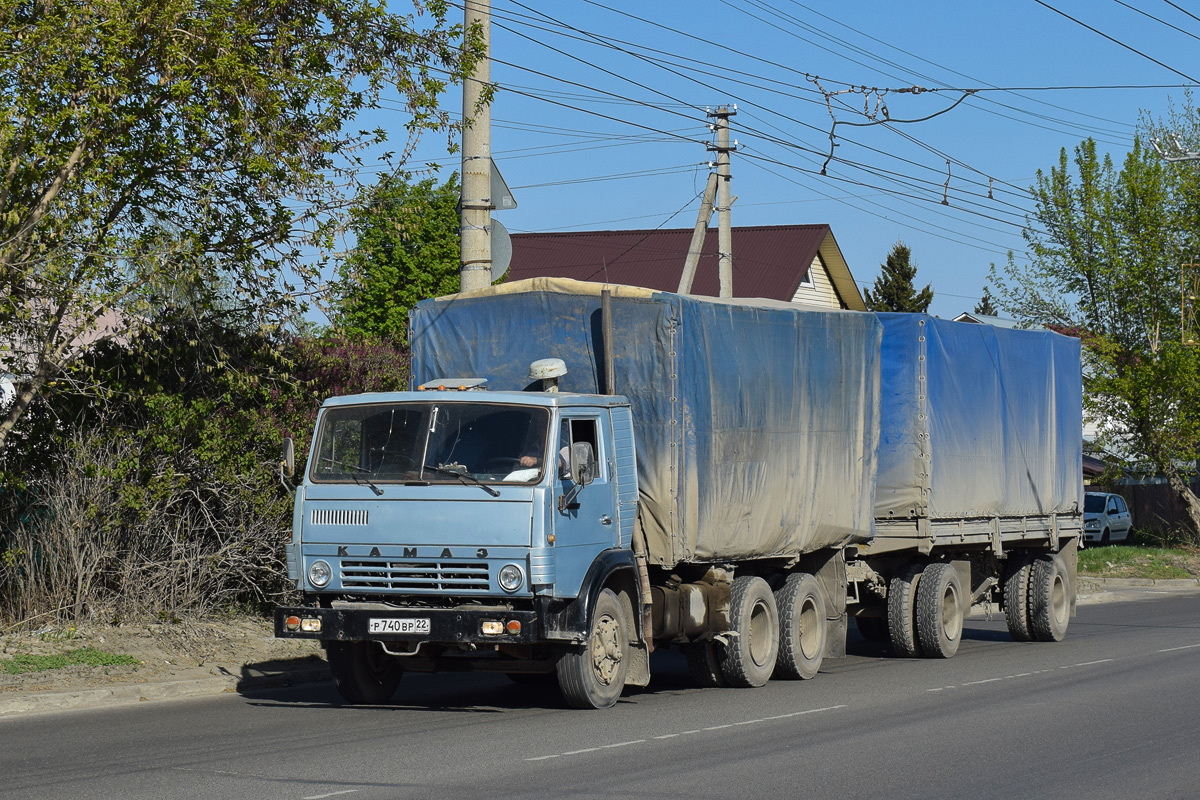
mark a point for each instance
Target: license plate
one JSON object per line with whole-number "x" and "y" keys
{"x": 413, "y": 625}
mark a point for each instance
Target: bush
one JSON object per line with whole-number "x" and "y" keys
{"x": 161, "y": 495}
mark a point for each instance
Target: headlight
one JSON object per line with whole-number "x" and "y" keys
{"x": 1092, "y": 524}
{"x": 510, "y": 577}
{"x": 319, "y": 573}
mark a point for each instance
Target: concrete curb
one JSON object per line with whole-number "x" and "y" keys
{"x": 130, "y": 693}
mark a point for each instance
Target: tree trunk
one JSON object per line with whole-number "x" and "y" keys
{"x": 1191, "y": 503}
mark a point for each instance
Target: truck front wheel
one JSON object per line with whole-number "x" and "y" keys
{"x": 593, "y": 676}
{"x": 362, "y": 672}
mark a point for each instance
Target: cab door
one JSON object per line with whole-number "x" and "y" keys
{"x": 586, "y": 524}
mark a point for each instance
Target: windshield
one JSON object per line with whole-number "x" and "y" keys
{"x": 1093, "y": 502}
{"x": 431, "y": 443}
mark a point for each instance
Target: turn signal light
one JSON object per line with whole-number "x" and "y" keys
{"x": 292, "y": 623}
{"x": 513, "y": 627}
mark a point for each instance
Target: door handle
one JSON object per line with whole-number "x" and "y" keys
{"x": 605, "y": 519}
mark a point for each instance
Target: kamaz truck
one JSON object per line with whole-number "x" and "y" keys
{"x": 583, "y": 473}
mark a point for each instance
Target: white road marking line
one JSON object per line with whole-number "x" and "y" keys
{"x": 331, "y": 794}
{"x": 1184, "y": 647}
{"x": 1025, "y": 674}
{"x": 682, "y": 733}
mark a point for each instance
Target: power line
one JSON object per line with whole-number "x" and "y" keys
{"x": 1115, "y": 41}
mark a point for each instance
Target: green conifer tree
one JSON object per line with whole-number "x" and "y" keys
{"x": 894, "y": 289}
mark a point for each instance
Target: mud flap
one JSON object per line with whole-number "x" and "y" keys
{"x": 639, "y": 665}
{"x": 835, "y": 636}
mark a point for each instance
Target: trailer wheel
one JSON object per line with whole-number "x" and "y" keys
{"x": 704, "y": 664}
{"x": 1016, "y": 597}
{"x": 362, "y": 672}
{"x": 902, "y": 618}
{"x": 593, "y": 676}
{"x": 1049, "y": 599}
{"x": 940, "y": 611}
{"x": 873, "y": 629}
{"x": 749, "y": 658}
{"x": 801, "y": 627}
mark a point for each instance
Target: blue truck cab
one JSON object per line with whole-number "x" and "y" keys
{"x": 455, "y": 528}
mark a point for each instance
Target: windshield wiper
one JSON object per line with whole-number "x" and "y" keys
{"x": 354, "y": 477}
{"x": 463, "y": 476}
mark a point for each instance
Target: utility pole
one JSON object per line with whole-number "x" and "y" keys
{"x": 724, "y": 201}
{"x": 693, "y": 256}
{"x": 475, "y": 265}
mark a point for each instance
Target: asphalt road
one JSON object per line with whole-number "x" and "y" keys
{"x": 1111, "y": 712}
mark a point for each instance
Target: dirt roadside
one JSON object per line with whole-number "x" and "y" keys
{"x": 190, "y": 658}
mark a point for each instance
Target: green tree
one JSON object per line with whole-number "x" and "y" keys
{"x": 894, "y": 289}
{"x": 227, "y": 122}
{"x": 985, "y": 306}
{"x": 1104, "y": 253}
{"x": 407, "y": 250}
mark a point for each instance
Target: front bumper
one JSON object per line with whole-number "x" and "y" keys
{"x": 446, "y": 625}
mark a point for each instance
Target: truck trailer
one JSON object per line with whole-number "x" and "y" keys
{"x": 583, "y": 473}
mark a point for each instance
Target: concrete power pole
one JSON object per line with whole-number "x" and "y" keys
{"x": 724, "y": 201}
{"x": 475, "y": 265}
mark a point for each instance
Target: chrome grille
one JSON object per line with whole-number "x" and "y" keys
{"x": 416, "y": 576}
{"x": 339, "y": 516}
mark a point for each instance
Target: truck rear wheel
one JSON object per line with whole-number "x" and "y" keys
{"x": 1016, "y": 597}
{"x": 1049, "y": 599}
{"x": 940, "y": 611}
{"x": 801, "y": 627}
{"x": 901, "y": 611}
{"x": 593, "y": 676}
{"x": 749, "y": 658}
{"x": 362, "y": 672}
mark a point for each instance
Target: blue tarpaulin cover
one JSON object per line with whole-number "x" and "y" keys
{"x": 978, "y": 421}
{"x": 756, "y": 422}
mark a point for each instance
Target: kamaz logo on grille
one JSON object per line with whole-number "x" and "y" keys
{"x": 411, "y": 552}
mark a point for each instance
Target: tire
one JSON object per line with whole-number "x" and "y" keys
{"x": 593, "y": 676}
{"x": 1049, "y": 599}
{"x": 749, "y": 658}
{"x": 1016, "y": 598}
{"x": 801, "y": 607}
{"x": 363, "y": 673}
{"x": 873, "y": 629}
{"x": 1104, "y": 538}
{"x": 901, "y": 616}
{"x": 940, "y": 611}
{"x": 704, "y": 664}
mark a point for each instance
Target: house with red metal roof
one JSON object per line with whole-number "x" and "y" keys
{"x": 792, "y": 263}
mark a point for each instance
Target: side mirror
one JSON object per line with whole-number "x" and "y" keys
{"x": 287, "y": 461}
{"x": 583, "y": 463}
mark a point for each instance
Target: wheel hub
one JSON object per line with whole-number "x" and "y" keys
{"x": 607, "y": 652}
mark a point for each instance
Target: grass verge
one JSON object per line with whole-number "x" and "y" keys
{"x": 87, "y": 656}
{"x": 1124, "y": 561}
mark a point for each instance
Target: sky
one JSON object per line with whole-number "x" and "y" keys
{"x": 600, "y": 119}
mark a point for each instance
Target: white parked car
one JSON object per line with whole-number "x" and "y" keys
{"x": 1106, "y": 518}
